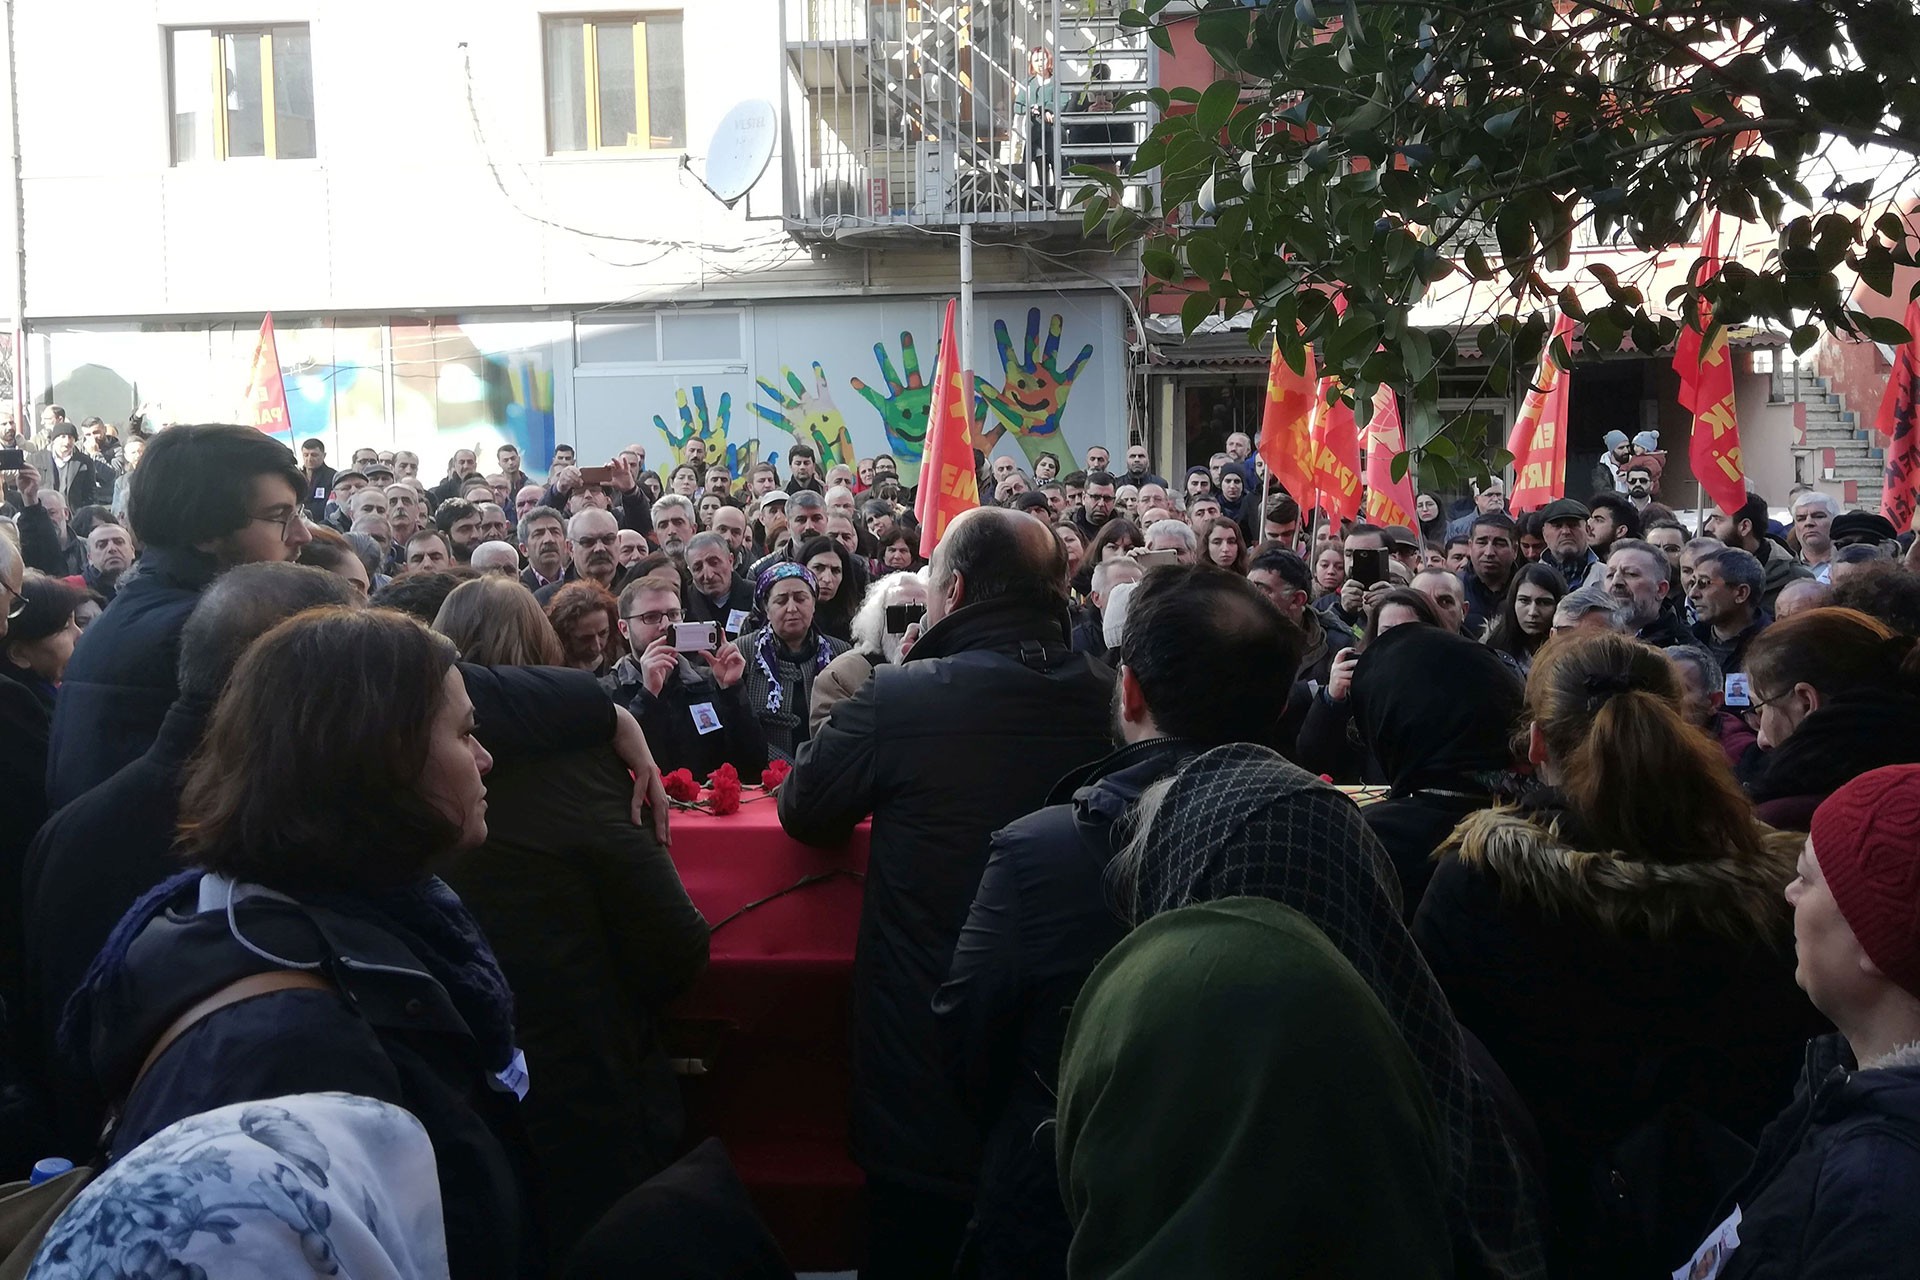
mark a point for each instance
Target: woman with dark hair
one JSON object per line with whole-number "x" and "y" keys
{"x": 898, "y": 552}
{"x": 1835, "y": 694}
{"x": 1074, "y": 544}
{"x": 1046, "y": 466}
{"x": 1532, "y": 530}
{"x": 686, "y": 480}
{"x": 1224, "y": 545}
{"x": 784, "y": 655}
{"x": 594, "y": 933}
{"x": 1117, "y": 537}
{"x": 586, "y": 618}
{"x": 1621, "y": 943}
{"x": 837, "y": 586}
{"x": 650, "y": 481}
{"x": 311, "y": 947}
{"x": 1526, "y": 619}
{"x": 1432, "y": 518}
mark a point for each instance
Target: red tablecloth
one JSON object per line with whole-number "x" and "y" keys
{"x": 770, "y": 1016}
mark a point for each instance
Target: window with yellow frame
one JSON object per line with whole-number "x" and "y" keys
{"x": 241, "y": 93}
{"x": 615, "y": 82}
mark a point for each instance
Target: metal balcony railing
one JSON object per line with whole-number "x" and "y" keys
{"x": 911, "y": 113}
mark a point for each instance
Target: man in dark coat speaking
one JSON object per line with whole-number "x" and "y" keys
{"x": 966, "y": 734}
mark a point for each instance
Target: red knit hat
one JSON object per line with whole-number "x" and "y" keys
{"x": 1867, "y": 838}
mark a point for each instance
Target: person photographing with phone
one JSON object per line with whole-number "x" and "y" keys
{"x": 1368, "y": 578}
{"x": 682, "y": 682}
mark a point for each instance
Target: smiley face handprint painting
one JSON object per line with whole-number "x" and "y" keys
{"x": 1031, "y": 401}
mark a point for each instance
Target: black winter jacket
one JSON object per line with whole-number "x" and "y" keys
{"x": 944, "y": 749}
{"x": 667, "y": 719}
{"x": 98, "y": 855}
{"x": 389, "y": 1031}
{"x": 1607, "y": 988}
{"x": 1040, "y": 922}
{"x": 595, "y": 934}
{"x": 1832, "y": 1191}
{"x": 123, "y": 675}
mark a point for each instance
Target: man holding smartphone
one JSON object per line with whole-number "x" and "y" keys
{"x": 1368, "y": 577}
{"x": 694, "y": 714}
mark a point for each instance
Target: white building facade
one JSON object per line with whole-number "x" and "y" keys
{"x": 483, "y": 223}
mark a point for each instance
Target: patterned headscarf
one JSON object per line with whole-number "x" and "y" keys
{"x": 780, "y": 572}
{"x": 765, "y": 653}
{"x": 1240, "y": 821}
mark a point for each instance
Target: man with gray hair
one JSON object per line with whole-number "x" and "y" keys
{"x": 493, "y": 523}
{"x": 719, "y": 593}
{"x": 1813, "y": 514}
{"x": 1176, "y": 536}
{"x": 543, "y": 541}
{"x": 1726, "y": 590}
{"x": 1089, "y": 632}
{"x": 1801, "y": 595}
{"x": 941, "y": 751}
{"x": 595, "y": 537}
{"x": 496, "y": 557}
{"x": 806, "y": 513}
{"x": 674, "y": 523}
{"x": 1588, "y": 609}
{"x": 841, "y": 502}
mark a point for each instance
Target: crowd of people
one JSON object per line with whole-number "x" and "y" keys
{"x": 1501, "y": 895}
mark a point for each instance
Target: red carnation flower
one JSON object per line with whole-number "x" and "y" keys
{"x": 775, "y": 774}
{"x": 681, "y": 786}
{"x": 723, "y": 791}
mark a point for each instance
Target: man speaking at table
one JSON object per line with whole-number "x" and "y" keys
{"x": 966, "y": 734}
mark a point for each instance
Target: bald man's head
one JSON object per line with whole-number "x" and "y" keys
{"x": 990, "y": 553}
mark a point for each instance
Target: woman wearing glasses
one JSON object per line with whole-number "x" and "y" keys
{"x": 1834, "y": 694}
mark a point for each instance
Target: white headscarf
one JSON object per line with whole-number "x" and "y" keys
{"x": 319, "y": 1184}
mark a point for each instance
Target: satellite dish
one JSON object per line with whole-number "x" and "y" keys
{"x": 741, "y": 148}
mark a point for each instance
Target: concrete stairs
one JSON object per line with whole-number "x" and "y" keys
{"x": 1833, "y": 451}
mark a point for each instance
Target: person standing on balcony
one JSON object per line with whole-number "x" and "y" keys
{"x": 1036, "y": 100}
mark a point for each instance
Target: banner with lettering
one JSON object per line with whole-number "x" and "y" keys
{"x": 266, "y": 392}
{"x": 1896, "y": 421}
{"x": 1286, "y": 427}
{"x": 1538, "y": 441}
{"x": 1336, "y": 453}
{"x": 948, "y": 484}
{"x": 1387, "y": 501}
{"x": 1704, "y": 362}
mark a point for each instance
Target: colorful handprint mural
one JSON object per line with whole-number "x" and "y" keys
{"x": 1032, "y": 399}
{"x": 1022, "y": 391}
{"x": 810, "y": 417}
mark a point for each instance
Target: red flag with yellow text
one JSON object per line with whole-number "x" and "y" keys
{"x": 1897, "y": 422}
{"x": 1538, "y": 442}
{"x": 1336, "y": 453}
{"x": 948, "y": 485}
{"x": 1286, "y": 427}
{"x": 1387, "y": 501}
{"x": 266, "y": 392}
{"x": 1705, "y": 366}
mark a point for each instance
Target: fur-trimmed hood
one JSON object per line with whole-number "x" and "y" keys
{"x": 1741, "y": 900}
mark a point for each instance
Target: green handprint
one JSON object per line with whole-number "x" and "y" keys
{"x": 903, "y": 409}
{"x": 812, "y": 412}
{"x": 697, "y": 426}
{"x": 1033, "y": 399}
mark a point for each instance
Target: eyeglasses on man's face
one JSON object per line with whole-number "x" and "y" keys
{"x": 657, "y": 617}
{"x": 16, "y": 603}
{"x": 289, "y": 521}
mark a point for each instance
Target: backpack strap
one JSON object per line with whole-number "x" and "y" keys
{"x": 258, "y": 984}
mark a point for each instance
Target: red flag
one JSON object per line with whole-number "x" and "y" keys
{"x": 948, "y": 484}
{"x": 1388, "y": 501}
{"x": 1336, "y": 454}
{"x": 1538, "y": 442}
{"x": 266, "y": 393}
{"x": 1706, "y": 391}
{"x": 1896, "y": 422}
{"x": 1286, "y": 427}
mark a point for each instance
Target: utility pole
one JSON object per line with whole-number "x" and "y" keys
{"x": 22, "y": 399}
